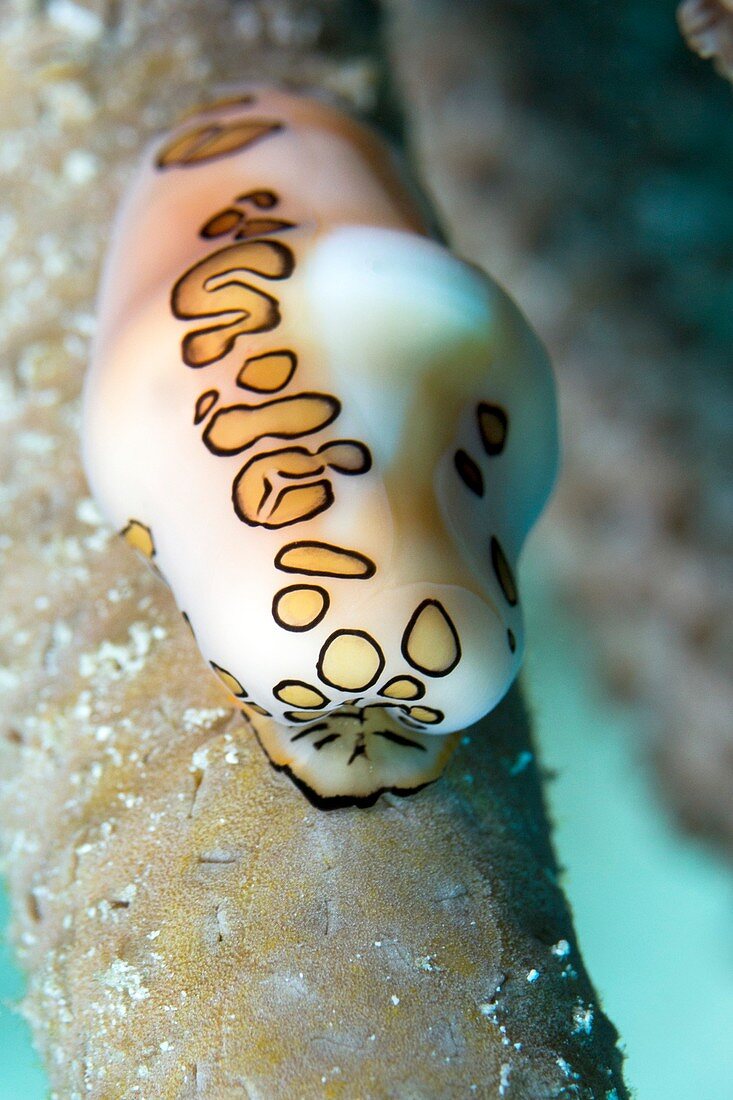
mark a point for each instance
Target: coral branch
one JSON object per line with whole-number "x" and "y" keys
{"x": 191, "y": 926}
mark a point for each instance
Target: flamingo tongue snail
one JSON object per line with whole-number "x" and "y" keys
{"x": 327, "y": 433}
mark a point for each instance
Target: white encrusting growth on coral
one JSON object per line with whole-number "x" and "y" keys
{"x": 583, "y": 1018}
{"x": 122, "y": 977}
{"x": 113, "y": 661}
{"x": 561, "y": 949}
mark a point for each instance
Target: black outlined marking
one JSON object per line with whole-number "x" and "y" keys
{"x": 283, "y": 687}
{"x": 300, "y": 588}
{"x": 323, "y": 498}
{"x": 207, "y": 141}
{"x": 469, "y": 473}
{"x": 192, "y": 299}
{"x": 326, "y": 399}
{"x": 319, "y": 492}
{"x": 282, "y": 354}
{"x": 231, "y": 683}
{"x": 301, "y": 718}
{"x": 262, "y": 227}
{"x": 493, "y": 425}
{"x": 366, "y": 564}
{"x": 262, "y": 198}
{"x": 258, "y": 709}
{"x": 329, "y": 643}
{"x": 340, "y": 801}
{"x": 140, "y": 537}
{"x": 503, "y": 573}
{"x": 427, "y": 715}
{"x": 419, "y": 689}
{"x": 408, "y": 631}
{"x": 223, "y": 222}
{"x": 204, "y": 405}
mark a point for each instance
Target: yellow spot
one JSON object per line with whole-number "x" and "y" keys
{"x": 271, "y": 490}
{"x": 297, "y": 694}
{"x": 262, "y": 227}
{"x": 213, "y": 139}
{"x": 300, "y": 607}
{"x": 204, "y": 405}
{"x": 267, "y": 373}
{"x": 223, "y": 222}
{"x": 430, "y": 642}
{"x": 237, "y": 427}
{"x": 231, "y": 683}
{"x": 425, "y": 714}
{"x": 350, "y": 660}
{"x": 324, "y": 560}
{"x": 259, "y": 710}
{"x": 403, "y": 687}
{"x": 293, "y": 504}
{"x": 216, "y": 290}
{"x": 139, "y": 537}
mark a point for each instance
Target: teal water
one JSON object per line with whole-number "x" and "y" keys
{"x": 21, "y": 1077}
{"x": 654, "y": 911}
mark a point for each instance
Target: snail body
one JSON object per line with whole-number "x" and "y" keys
{"x": 327, "y": 433}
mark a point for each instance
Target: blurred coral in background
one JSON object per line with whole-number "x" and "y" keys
{"x": 603, "y": 194}
{"x": 708, "y": 27}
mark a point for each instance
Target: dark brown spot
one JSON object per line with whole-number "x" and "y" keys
{"x": 493, "y": 424}
{"x": 503, "y": 572}
{"x": 263, "y": 200}
{"x": 223, "y": 222}
{"x": 34, "y": 909}
{"x": 261, "y": 227}
{"x": 469, "y": 473}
